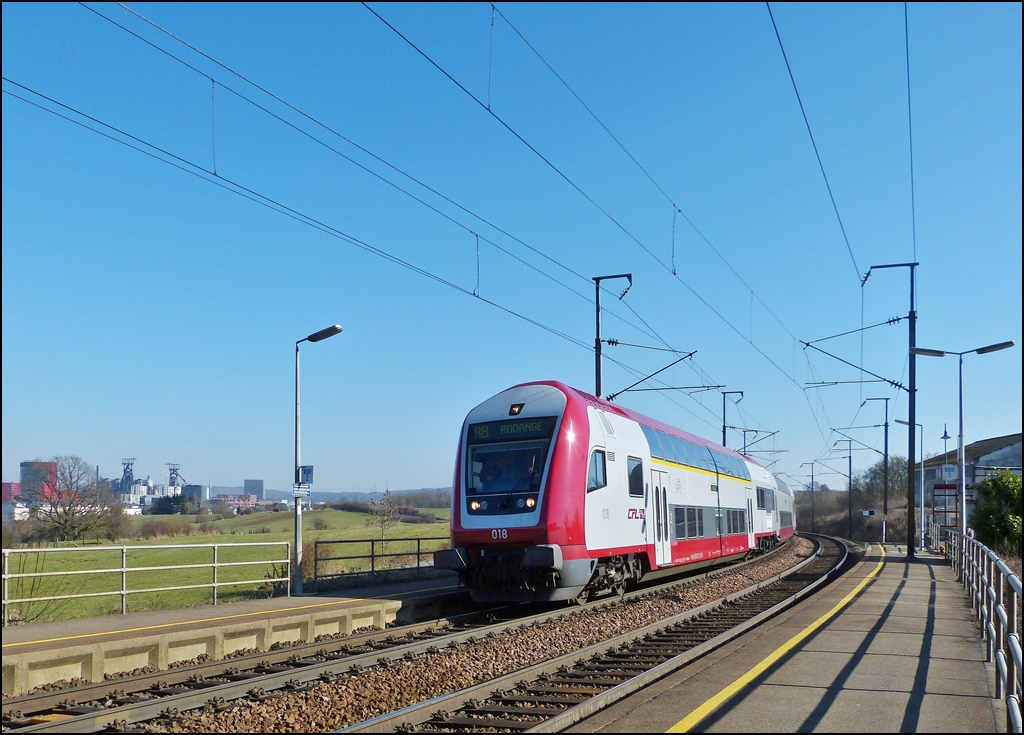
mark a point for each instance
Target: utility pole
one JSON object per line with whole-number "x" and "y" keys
{"x": 724, "y": 394}
{"x": 912, "y": 402}
{"x": 812, "y": 492}
{"x": 885, "y": 469}
{"x": 597, "y": 339}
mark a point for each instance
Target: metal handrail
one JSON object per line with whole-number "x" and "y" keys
{"x": 995, "y": 594}
{"x": 124, "y": 570}
{"x": 373, "y": 556}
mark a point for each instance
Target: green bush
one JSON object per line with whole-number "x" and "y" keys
{"x": 997, "y": 520}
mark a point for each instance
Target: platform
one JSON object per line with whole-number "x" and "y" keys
{"x": 89, "y": 648}
{"x": 887, "y": 647}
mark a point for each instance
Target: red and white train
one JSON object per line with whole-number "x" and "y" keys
{"x": 559, "y": 495}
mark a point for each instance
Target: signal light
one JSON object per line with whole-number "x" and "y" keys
{"x": 516, "y": 409}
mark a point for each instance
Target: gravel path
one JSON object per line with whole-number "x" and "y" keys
{"x": 361, "y": 696}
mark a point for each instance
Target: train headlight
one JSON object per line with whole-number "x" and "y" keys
{"x": 530, "y": 502}
{"x": 521, "y": 502}
{"x": 475, "y": 505}
{"x": 484, "y": 505}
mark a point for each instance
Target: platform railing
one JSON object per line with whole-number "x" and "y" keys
{"x": 995, "y": 593}
{"x": 278, "y": 578}
{"x": 369, "y": 556}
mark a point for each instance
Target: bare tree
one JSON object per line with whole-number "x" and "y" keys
{"x": 385, "y": 512}
{"x": 76, "y": 505}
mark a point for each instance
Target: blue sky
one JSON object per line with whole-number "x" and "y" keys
{"x": 150, "y": 313}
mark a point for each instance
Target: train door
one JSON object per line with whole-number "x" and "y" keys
{"x": 662, "y": 530}
{"x": 750, "y": 519}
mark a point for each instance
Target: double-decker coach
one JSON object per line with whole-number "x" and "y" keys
{"x": 558, "y": 495}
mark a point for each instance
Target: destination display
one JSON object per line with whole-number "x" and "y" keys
{"x": 512, "y": 430}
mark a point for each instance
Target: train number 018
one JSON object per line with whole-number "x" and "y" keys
{"x": 499, "y": 533}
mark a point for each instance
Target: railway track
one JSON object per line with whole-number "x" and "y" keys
{"x": 163, "y": 697}
{"x": 557, "y": 693}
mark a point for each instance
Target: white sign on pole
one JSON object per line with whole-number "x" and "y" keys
{"x": 299, "y": 491}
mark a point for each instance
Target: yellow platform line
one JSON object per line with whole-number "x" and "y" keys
{"x": 201, "y": 620}
{"x": 695, "y": 717}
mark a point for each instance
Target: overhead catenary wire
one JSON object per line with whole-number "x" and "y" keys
{"x": 359, "y": 165}
{"x": 807, "y": 122}
{"x": 583, "y": 193}
{"x": 650, "y": 330}
{"x": 676, "y": 209}
{"x": 235, "y": 187}
{"x": 197, "y": 170}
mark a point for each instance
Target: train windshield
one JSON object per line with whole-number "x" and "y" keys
{"x": 506, "y": 464}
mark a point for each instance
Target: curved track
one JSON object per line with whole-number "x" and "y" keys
{"x": 160, "y": 697}
{"x": 560, "y": 692}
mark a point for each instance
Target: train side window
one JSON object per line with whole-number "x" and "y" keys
{"x": 705, "y": 459}
{"x": 597, "y": 477}
{"x": 677, "y": 446}
{"x": 691, "y": 523}
{"x": 666, "y": 446}
{"x": 680, "y": 522}
{"x": 652, "y": 440}
{"x": 635, "y": 468}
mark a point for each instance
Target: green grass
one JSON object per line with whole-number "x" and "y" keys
{"x": 228, "y": 534}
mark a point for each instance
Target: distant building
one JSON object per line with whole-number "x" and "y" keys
{"x": 38, "y": 480}
{"x": 12, "y": 490}
{"x": 982, "y": 459}
{"x": 193, "y": 492}
{"x": 15, "y": 511}
{"x": 255, "y": 487}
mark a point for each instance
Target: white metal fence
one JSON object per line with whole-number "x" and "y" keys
{"x": 996, "y": 599}
{"x": 278, "y": 578}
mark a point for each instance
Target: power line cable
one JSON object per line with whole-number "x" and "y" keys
{"x": 182, "y": 164}
{"x": 651, "y": 330}
{"x": 586, "y": 196}
{"x": 357, "y": 163}
{"x": 813, "y": 143}
{"x": 910, "y": 130}
{"x": 227, "y": 184}
{"x": 675, "y": 207}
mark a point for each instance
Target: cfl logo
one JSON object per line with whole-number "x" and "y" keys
{"x": 635, "y": 514}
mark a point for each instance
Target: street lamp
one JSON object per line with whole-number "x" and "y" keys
{"x": 921, "y": 473}
{"x": 961, "y": 463}
{"x": 912, "y": 402}
{"x": 885, "y": 468}
{"x": 315, "y": 337}
{"x": 724, "y": 394}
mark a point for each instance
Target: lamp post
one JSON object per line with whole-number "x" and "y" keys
{"x": 885, "y": 468}
{"x": 724, "y": 394}
{"x": 315, "y": 337}
{"x": 597, "y": 340}
{"x": 921, "y": 473}
{"x": 912, "y": 402}
{"x": 961, "y": 462}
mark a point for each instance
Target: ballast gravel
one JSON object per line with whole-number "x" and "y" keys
{"x": 361, "y": 696}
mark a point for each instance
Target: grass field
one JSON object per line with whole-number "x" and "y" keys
{"x": 147, "y": 561}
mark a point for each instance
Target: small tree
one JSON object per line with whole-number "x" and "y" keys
{"x": 76, "y": 505}
{"x": 997, "y": 520}
{"x": 385, "y": 513}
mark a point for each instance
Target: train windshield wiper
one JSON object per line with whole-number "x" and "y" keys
{"x": 515, "y": 488}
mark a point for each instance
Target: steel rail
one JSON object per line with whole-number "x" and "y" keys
{"x": 408, "y": 718}
{"x": 305, "y": 663}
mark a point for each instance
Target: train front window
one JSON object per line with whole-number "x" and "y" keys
{"x": 505, "y": 465}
